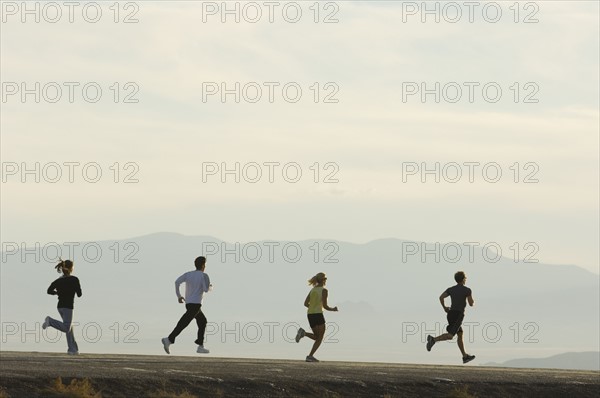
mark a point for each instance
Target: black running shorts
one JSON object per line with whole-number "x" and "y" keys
{"x": 316, "y": 320}
{"x": 455, "y": 319}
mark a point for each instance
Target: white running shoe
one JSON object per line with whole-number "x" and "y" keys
{"x": 202, "y": 350}
{"x": 46, "y": 323}
{"x": 166, "y": 344}
{"x": 310, "y": 358}
{"x": 301, "y": 333}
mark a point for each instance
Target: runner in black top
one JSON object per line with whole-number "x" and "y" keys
{"x": 65, "y": 287}
{"x": 459, "y": 295}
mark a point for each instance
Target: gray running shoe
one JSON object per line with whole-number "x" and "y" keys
{"x": 300, "y": 334}
{"x": 468, "y": 358}
{"x": 430, "y": 342}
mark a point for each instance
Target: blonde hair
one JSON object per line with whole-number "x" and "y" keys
{"x": 317, "y": 279}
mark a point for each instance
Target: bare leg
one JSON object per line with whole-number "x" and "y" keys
{"x": 319, "y": 333}
{"x": 443, "y": 337}
{"x": 310, "y": 336}
{"x": 461, "y": 345}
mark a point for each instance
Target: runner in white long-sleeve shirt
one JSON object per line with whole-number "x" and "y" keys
{"x": 196, "y": 284}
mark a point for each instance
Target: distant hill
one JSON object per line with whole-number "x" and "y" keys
{"x": 388, "y": 301}
{"x": 569, "y": 360}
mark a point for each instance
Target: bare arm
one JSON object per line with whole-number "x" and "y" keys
{"x": 324, "y": 298}
{"x": 442, "y": 298}
{"x": 470, "y": 300}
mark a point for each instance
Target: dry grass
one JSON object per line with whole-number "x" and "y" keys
{"x": 461, "y": 392}
{"x": 332, "y": 394}
{"x": 75, "y": 389}
{"x": 166, "y": 394}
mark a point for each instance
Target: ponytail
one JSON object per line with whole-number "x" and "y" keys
{"x": 315, "y": 280}
{"x": 63, "y": 266}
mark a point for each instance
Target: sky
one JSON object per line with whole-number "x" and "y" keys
{"x": 161, "y": 147}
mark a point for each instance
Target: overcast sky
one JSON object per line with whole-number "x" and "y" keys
{"x": 367, "y": 137}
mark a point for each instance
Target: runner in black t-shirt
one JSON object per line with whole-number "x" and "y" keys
{"x": 65, "y": 287}
{"x": 459, "y": 295}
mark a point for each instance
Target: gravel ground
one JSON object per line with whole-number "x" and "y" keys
{"x": 25, "y": 374}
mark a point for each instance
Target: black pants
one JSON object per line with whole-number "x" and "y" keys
{"x": 193, "y": 311}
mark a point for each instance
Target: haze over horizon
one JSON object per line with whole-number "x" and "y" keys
{"x": 385, "y": 324}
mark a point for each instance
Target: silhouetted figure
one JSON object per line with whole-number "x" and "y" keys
{"x": 316, "y": 301}
{"x": 459, "y": 295}
{"x": 65, "y": 287}
{"x": 196, "y": 284}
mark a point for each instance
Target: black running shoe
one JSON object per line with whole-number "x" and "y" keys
{"x": 431, "y": 342}
{"x": 468, "y": 358}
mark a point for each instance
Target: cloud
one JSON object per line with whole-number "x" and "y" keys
{"x": 370, "y": 133}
